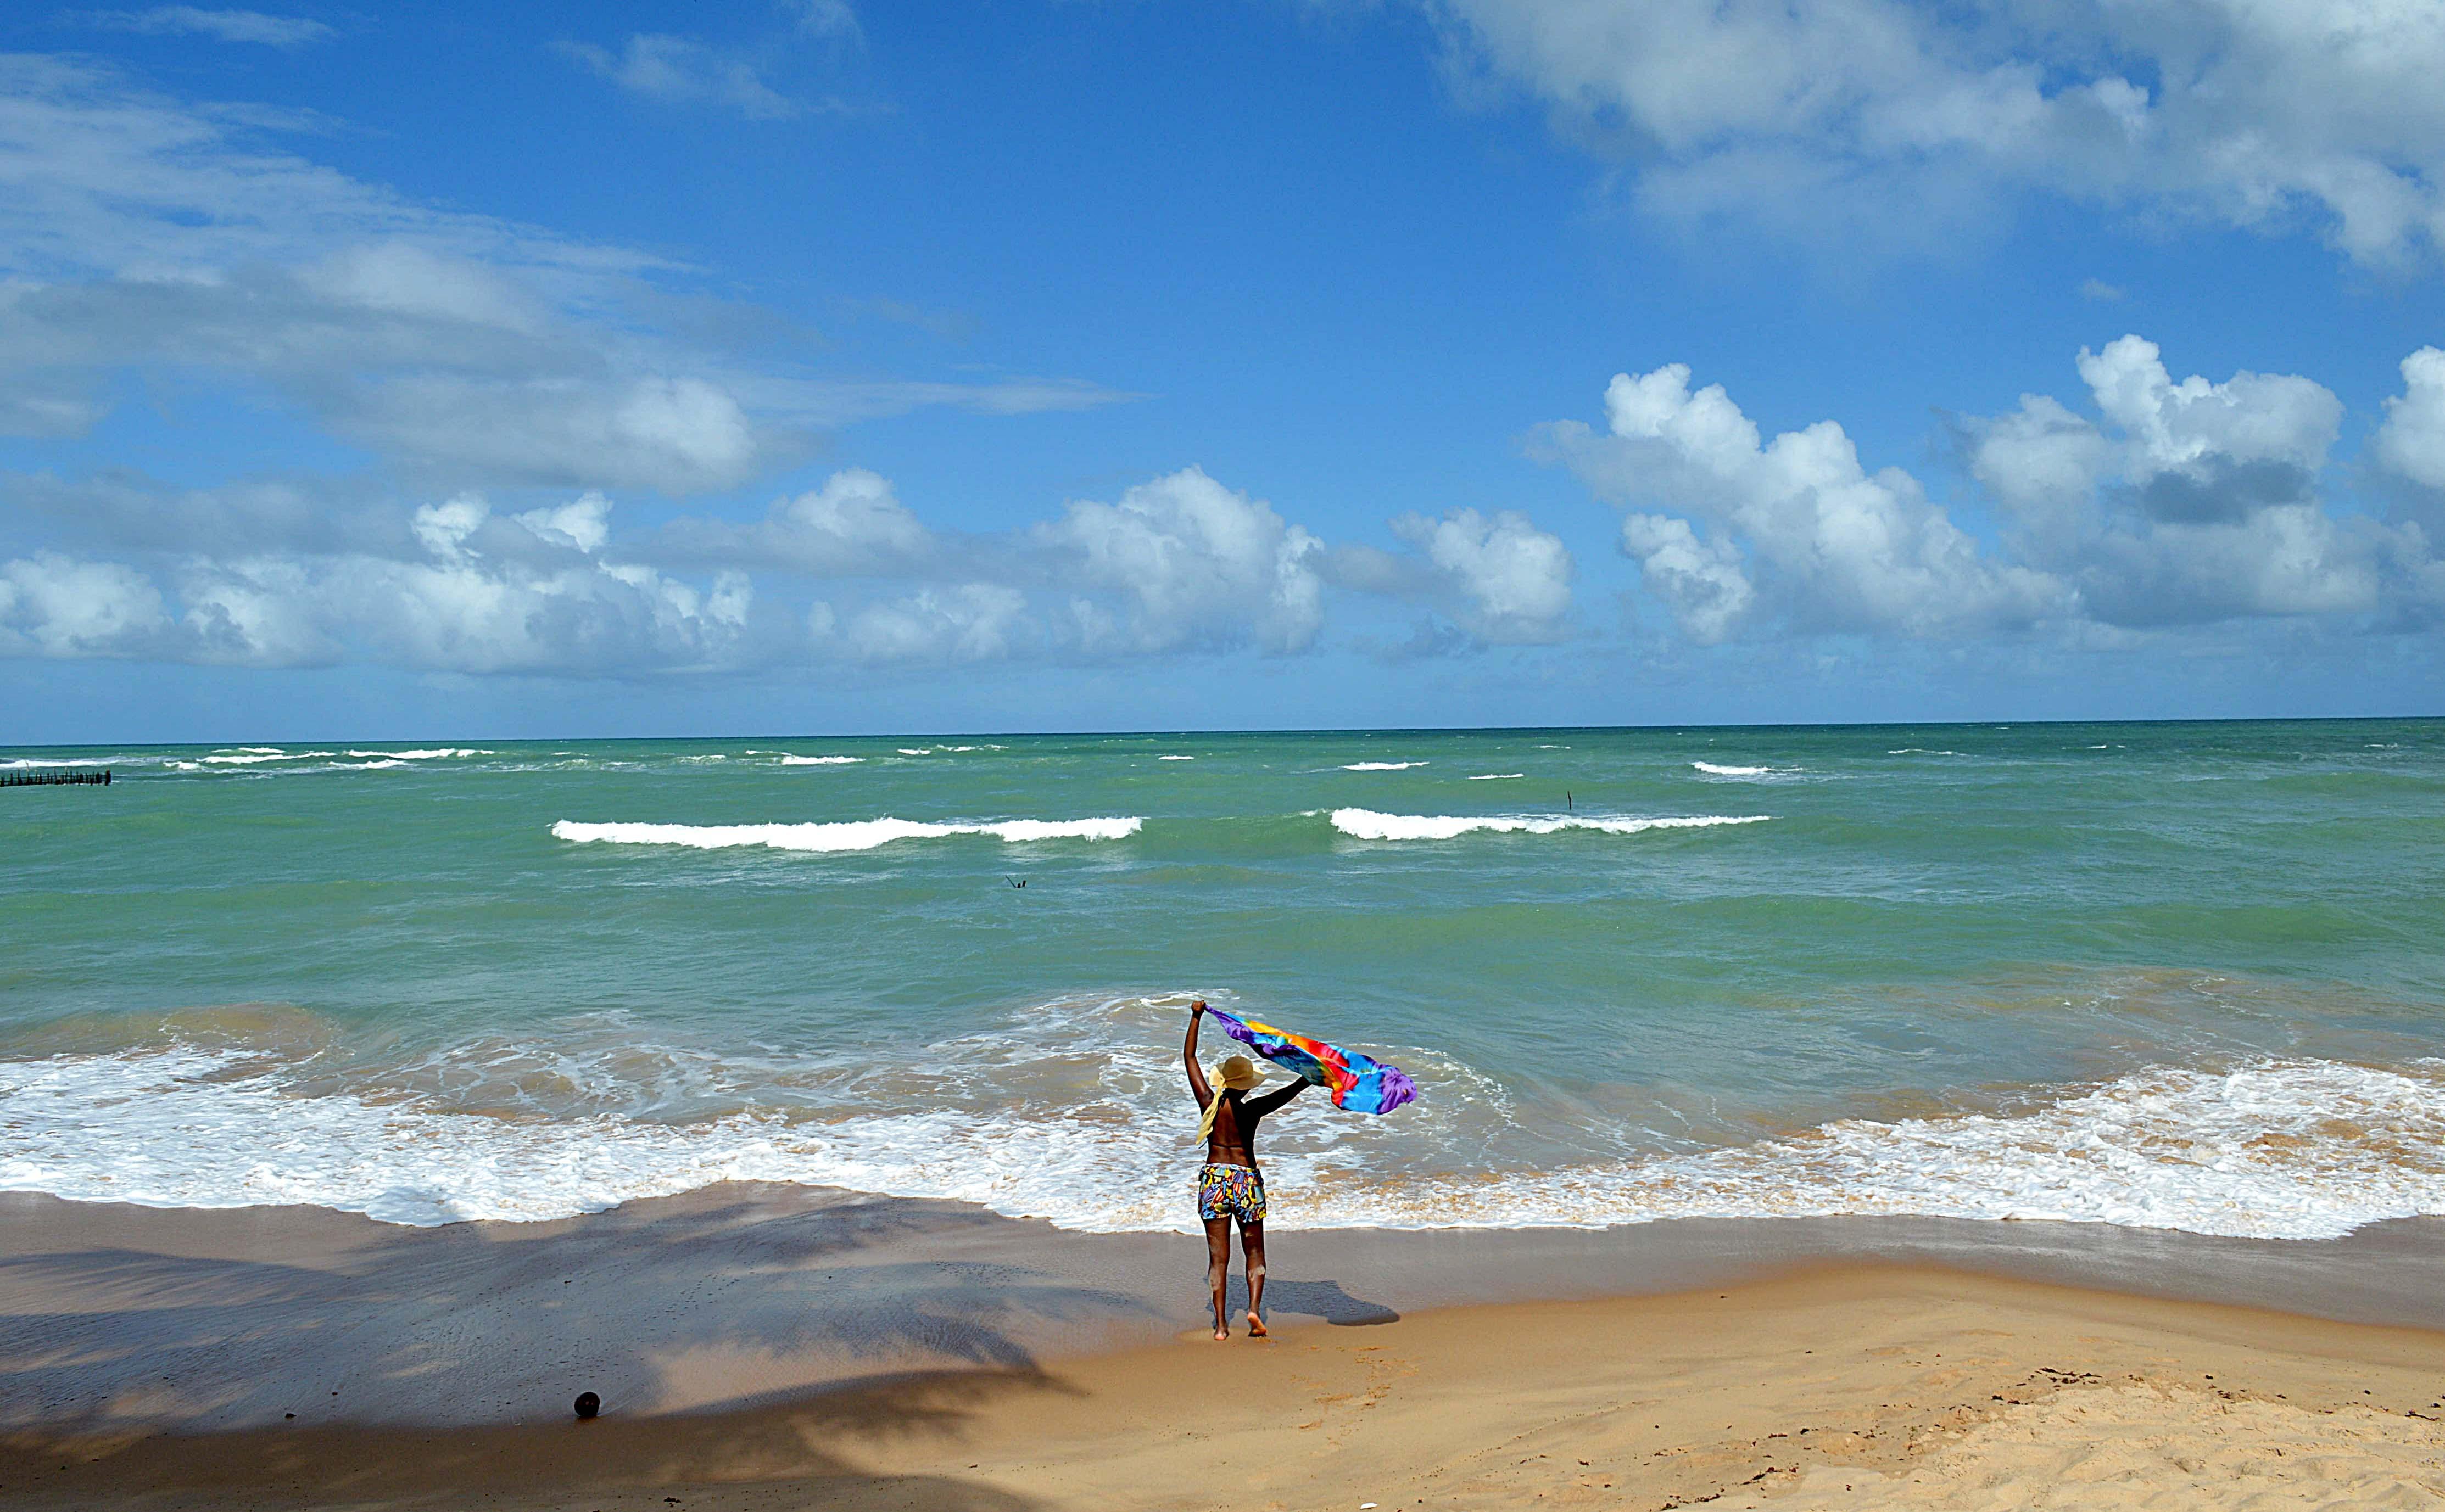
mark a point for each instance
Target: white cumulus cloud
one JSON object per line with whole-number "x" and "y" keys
{"x": 1859, "y": 116}
{"x": 53, "y": 605}
{"x": 853, "y": 524}
{"x": 1509, "y": 582}
{"x": 1702, "y": 581}
{"x": 2410, "y": 443}
{"x": 1822, "y": 544}
{"x": 2185, "y": 502}
{"x": 1195, "y": 563}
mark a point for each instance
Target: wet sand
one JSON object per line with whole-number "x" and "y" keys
{"x": 780, "y": 1347}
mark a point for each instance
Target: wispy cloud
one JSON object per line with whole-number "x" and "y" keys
{"x": 681, "y": 71}
{"x": 223, "y": 26}
{"x": 824, "y": 18}
{"x": 144, "y": 236}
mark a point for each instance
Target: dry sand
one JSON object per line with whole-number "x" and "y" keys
{"x": 1854, "y": 1385}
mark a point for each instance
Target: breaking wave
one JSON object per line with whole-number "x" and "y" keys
{"x": 1365, "y": 825}
{"x": 2275, "y": 1150}
{"x": 855, "y": 835}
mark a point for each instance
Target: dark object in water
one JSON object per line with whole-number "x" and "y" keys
{"x": 100, "y": 779}
{"x": 589, "y": 1404}
{"x": 1015, "y": 881}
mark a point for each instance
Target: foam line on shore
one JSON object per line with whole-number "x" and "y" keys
{"x": 2275, "y": 1150}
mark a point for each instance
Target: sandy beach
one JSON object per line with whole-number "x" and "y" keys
{"x": 768, "y": 1347}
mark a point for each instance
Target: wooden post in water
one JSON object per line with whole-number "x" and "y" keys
{"x": 100, "y": 779}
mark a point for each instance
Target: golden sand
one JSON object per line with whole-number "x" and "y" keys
{"x": 1852, "y": 1387}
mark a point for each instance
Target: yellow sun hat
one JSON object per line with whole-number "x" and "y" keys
{"x": 1236, "y": 1075}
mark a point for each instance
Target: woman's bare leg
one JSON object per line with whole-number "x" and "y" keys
{"x": 1218, "y": 1268}
{"x": 1252, "y": 1245}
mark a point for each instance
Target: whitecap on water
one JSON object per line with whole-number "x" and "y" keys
{"x": 854, "y": 834}
{"x": 1365, "y": 825}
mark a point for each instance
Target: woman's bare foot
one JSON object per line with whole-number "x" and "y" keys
{"x": 1220, "y": 1333}
{"x": 1256, "y": 1326}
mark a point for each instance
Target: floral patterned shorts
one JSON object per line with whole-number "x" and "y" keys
{"x": 1231, "y": 1191}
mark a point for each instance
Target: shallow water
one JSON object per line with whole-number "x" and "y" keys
{"x": 2180, "y": 975}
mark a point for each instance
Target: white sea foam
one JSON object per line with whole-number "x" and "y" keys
{"x": 1175, "y": 758}
{"x": 31, "y": 764}
{"x": 821, "y": 760}
{"x": 250, "y": 756}
{"x": 1713, "y": 770}
{"x": 855, "y": 835}
{"x": 1365, "y": 825}
{"x": 1919, "y": 751}
{"x": 1381, "y": 766}
{"x": 2282, "y": 1150}
{"x": 1495, "y": 776}
{"x": 437, "y": 753}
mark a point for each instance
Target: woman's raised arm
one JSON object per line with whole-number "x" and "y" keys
{"x": 1189, "y": 1055}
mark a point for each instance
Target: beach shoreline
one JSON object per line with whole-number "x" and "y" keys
{"x": 141, "y": 1319}
{"x": 775, "y": 1346}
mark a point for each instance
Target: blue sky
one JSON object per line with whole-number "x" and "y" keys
{"x": 821, "y": 366}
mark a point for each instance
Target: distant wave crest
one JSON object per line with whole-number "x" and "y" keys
{"x": 854, "y": 834}
{"x": 821, "y": 760}
{"x": 1365, "y": 825}
{"x": 1381, "y": 766}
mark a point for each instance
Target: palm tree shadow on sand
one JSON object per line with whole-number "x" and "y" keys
{"x": 133, "y": 1377}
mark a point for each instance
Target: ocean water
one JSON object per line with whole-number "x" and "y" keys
{"x": 2187, "y": 976}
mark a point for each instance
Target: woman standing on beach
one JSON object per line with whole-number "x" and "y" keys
{"x": 1229, "y": 1185}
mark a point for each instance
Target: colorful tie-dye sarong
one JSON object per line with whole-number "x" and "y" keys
{"x": 1356, "y": 1082}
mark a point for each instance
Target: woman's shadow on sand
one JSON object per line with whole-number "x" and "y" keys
{"x": 1310, "y": 1298}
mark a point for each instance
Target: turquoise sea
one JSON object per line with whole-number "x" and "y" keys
{"x": 2185, "y": 975}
